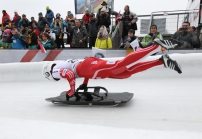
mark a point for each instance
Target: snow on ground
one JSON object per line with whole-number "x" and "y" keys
{"x": 165, "y": 105}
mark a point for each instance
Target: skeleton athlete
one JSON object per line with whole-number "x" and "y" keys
{"x": 95, "y": 68}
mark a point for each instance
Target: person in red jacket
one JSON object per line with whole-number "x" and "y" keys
{"x": 95, "y": 68}
{"x": 86, "y": 18}
{"x": 5, "y": 14}
{"x": 5, "y": 17}
{"x": 16, "y": 18}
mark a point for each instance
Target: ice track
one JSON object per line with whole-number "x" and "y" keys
{"x": 166, "y": 105}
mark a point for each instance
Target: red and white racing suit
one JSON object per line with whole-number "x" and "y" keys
{"x": 95, "y": 68}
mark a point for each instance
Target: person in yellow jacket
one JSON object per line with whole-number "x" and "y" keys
{"x": 103, "y": 40}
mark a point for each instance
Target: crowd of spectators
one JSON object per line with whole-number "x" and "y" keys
{"x": 91, "y": 31}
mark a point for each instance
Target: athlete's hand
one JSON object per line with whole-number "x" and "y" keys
{"x": 70, "y": 93}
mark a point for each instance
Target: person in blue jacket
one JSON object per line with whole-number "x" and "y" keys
{"x": 49, "y": 15}
{"x": 24, "y": 21}
{"x": 19, "y": 42}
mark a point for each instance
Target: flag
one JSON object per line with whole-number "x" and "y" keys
{"x": 43, "y": 50}
{"x": 135, "y": 44}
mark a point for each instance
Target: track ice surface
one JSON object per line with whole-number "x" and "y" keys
{"x": 165, "y": 105}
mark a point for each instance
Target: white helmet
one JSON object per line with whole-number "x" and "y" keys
{"x": 47, "y": 71}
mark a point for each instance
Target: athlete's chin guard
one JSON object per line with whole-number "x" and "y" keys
{"x": 47, "y": 71}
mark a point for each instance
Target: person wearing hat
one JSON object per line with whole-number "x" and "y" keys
{"x": 89, "y": 6}
{"x": 86, "y": 18}
{"x": 49, "y": 15}
{"x": 151, "y": 36}
{"x": 24, "y": 21}
{"x": 3, "y": 43}
{"x": 104, "y": 19}
{"x": 103, "y": 41}
{"x": 92, "y": 30}
{"x": 42, "y": 22}
{"x": 18, "y": 40}
{"x": 108, "y": 10}
{"x": 4, "y": 17}
{"x": 16, "y": 18}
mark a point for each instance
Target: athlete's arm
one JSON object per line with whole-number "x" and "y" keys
{"x": 85, "y": 83}
{"x": 69, "y": 75}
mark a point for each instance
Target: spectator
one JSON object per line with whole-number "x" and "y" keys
{"x": 19, "y": 42}
{"x": 70, "y": 33}
{"x": 92, "y": 30}
{"x": 13, "y": 25}
{"x": 49, "y": 32}
{"x": 49, "y": 15}
{"x": 79, "y": 39}
{"x": 32, "y": 38}
{"x": 68, "y": 14}
{"x": 104, "y": 19}
{"x": 58, "y": 15}
{"x": 36, "y": 30}
{"x": 108, "y": 10}
{"x": 23, "y": 22}
{"x": 7, "y": 22}
{"x": 67, "y": 17}
{"x": 16, "y": 18}
{"x": 103, "y": 40}
{"x": 33, "y": 21}
{"x": 47, "y": 42}
{"x": 5, "y": 35}
{"x": 194, "y": 29}
{"x": 58, "y": 28}
{"x": 23, "y": 30}
{"x": 86, "y": 18}
{"x": 5, "y": 16}
{"x": 153, "y": 34}
{"x": 129, "y": 21}
{"x": 128, "y": 40}
{"x": 42, "y": 22}
{"x": 187, "y": 37}
{"x": 89, "y": 6}
{"x": 71, "y": 17}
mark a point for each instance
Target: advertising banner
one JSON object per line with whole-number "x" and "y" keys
{"x": 92, "y": 5}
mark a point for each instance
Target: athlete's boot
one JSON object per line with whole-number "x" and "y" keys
{"x": 166, "y": 44}
{"x": 169, "y": 63}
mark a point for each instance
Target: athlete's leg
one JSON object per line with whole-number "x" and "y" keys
{"x": 139, "y": 67}
{"x": 142, "y": 66}
{"x": 97, "y": 68}
{"x": 108, "y": 70}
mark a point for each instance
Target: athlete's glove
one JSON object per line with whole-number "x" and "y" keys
{"x": 70, "y": 93}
